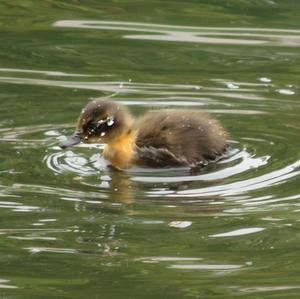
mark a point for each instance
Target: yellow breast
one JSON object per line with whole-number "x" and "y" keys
{"x": 120, "y": 152}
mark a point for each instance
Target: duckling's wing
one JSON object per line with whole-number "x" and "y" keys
{"x": 192, "y": 137}
{"x": 158, "y": 157}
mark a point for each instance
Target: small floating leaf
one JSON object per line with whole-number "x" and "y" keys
{"x": 265, "y": 80}
{"x": 180, "y": 224}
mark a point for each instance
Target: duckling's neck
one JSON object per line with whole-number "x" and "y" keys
{"x": 120, "y": 151}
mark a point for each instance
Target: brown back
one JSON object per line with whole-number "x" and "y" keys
{"x": 188, "y": 135}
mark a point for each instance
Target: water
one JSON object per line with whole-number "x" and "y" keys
{"x": 72, "y": 228}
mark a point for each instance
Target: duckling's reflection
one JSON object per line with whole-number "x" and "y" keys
{"x": 121, "y": 188}
{"x": 124, "y": 195}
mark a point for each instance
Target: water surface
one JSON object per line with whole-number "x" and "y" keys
{"x": 73, "y": 228}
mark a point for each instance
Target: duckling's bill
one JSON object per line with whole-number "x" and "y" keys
{"x": 70, "y": 141}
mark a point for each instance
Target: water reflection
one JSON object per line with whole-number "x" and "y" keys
{"x": 168, "y": 91}
{"x": 190, "y": 263}
{"x": 239, "y": 232}
{"x": 243, "y": 161}
{"x": 208, "y": 35}
{"x": 262, "y": 289}
{"x": 46, "y": 73}
{"x": 243, "y": 186}
{"x": 5, "y": 284}
{"x": 50, "y": 249}
{"x": 205, "y": 267}
{"x": 22, "y": 137}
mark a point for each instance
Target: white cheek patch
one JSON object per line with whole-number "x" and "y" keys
{"x": 110, "y": 121}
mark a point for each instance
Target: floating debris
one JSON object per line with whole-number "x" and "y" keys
{"x": 180, "y": 224}
{"x": 265, "y": 80}
{"x": 287, "y": 92}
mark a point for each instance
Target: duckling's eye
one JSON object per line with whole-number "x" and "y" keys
{"x": 100, "y": 126}
{"x": 91, "y": 127}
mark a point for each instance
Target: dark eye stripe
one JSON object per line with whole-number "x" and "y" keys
{"x": 95, "y": 127}
{"x": 106, "y": 125}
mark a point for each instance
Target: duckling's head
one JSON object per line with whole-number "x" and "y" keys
{"x": 100, "y": 122}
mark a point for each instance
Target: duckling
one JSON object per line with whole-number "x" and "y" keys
{"x": 160, "y": 138}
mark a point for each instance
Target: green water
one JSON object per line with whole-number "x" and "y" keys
{"x": 72, "y": 228}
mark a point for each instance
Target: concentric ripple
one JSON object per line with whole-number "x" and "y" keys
{"x": 71, "y": 162}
